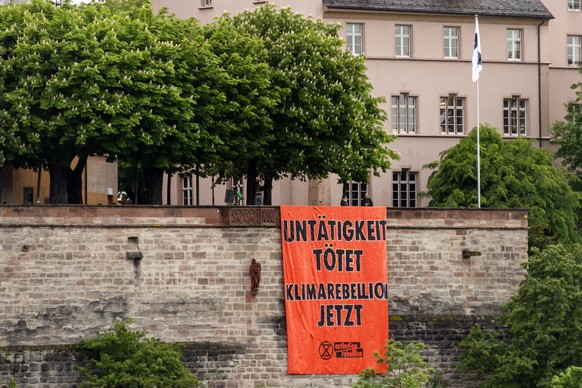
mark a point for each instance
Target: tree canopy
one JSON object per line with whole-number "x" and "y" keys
{"x": 268, "y": 92}
{"x": 513, "y": 175}
{"x": 107, "y": 78}
{"x": 326, "y": 119}
{"x": 541, "y": 327}
{"x": 568, "y": 133}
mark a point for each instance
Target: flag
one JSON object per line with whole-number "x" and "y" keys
{"x": 477, "y": 67}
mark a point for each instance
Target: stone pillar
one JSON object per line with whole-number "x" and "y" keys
{"x": 319, "y": 192}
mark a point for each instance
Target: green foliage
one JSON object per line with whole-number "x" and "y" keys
{"x": 570, "y": 378}
{"x": 513, "y": 175}
{"x": 326, "y": 119}
{"x": 541, "y": 326}
{"x": 405, "y": 368}
{"x": 126, "y": 358}
{"x": 568, "y": 133}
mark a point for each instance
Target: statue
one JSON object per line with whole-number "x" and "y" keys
{"x": 255, "y": 272}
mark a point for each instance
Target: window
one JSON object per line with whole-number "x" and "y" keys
{"x": 451, "y": 42}
{"x": 403, "y": 114}
{"x": 404, "y": 188}
{"x": 574, "y": 5}
{"x": 514, "y": 116}
{"x": 187, "y": 190}
{"x": 355, "y": 192}
{"x": 514, "y": 45}
{"x": 403, "y": 40}
{"x": 354, "y": 38}
{"x": 452, "y": 111}
{"x": 205, "y": 3}
{"x": 27, "y": 195}
{"x": 574, "y": 50}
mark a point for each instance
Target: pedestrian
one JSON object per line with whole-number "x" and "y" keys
{"x": 344, "y": 201}
{"x": 367, "y": 201}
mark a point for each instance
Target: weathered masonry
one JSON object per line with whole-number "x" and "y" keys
{"x": 182, "y": 273}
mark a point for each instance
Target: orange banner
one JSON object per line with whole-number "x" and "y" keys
{"x": 336, "y": 292}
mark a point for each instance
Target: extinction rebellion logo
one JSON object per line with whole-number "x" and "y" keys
{"x": 327, "y": 350}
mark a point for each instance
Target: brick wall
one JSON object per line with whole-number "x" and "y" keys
{"x": 66, "y": 272}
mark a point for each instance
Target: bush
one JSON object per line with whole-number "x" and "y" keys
{"x": 406, "y": 369}
{"x": 121, "y": 357}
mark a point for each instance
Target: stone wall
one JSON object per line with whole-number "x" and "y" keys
{"x": 182, "y": 274}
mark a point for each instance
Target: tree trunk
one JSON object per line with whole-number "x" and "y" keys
{"x": 153, "y": 178}
{"x": 75, "y": 182}
{"x": 251, "y": 182}
{"x": 58, "y": 176}
{"x": 268, "y": 190}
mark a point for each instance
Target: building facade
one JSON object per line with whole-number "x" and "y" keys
{"x": 419, "y": 58}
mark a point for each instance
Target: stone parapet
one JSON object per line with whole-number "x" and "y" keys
{"x": 182, "y": 274}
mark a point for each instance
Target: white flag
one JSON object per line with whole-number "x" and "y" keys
{"x": 477, "y": 67}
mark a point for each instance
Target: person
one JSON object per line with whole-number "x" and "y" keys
{"x": 344, "y": 201}
{"x": 367, "y": 201}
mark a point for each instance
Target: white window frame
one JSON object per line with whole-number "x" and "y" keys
{"x": 451, "y": 42}
{"x": 574, "y": 47}
{"x": 515, "y": 116}
{"x": 403, "y": 40}
{"x": 355, "y": 192}
{"x": 514, "y": 44}
{"x": 355, "y": 38}
{"x": 574, "y": 5}
{"x": 404, "y": 113}
{"x": 205, "y": 3}
{"x": 187, "y": 190}
{"x": 452, "y": 114}
{"x": 405, "y": 188}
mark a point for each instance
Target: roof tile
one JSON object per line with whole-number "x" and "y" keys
{"x": 510, "y": 8}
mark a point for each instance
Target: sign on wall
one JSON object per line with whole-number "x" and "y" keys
{"x": 336, "y": 294}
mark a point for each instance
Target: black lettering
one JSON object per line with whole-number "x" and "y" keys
{"x": 360, "y": 231}
{"x": 348, "y": 231}
{"x": 329, "y": 265}
{"x": 332, "y": 229}
{"x": 322, "y": 232}
{"x": 371, "y": 229}
{"x": 288, "y": 232}
{"x": 310, "y": 291}
{"x": 288, "y": 289}
{"x": 312, "y": 229}
{"x": 317, "y": 253}
{"x": 321, "y": 292}
{"x": 340, "y": 315}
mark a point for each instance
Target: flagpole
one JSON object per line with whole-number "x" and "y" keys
{"x": 477, "y": 66}
{"x": 478, "y": 153}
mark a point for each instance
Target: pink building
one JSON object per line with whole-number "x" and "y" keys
{"x": 419, "y": 57}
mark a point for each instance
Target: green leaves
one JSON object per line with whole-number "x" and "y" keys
{"x": 124, "y": 357}
{"x": 542, "y": 326}
{"x": 405, "y": 366}
{"x": 513, "y": 175}
{"x": 325, "y": 117}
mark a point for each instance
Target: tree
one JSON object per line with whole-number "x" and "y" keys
{"x": 570, "y": 378}
{"x": 405, "y": 366}
{"x": 326, "y": 119}
{"x": 568, "y": 133}
{"x": 121, "y": 357}
{"x": 541, "y": 326}
{"x": 513, "y": 175}
{"x": 174, "y": 83}
{"x": 107, "y": 78}
{"x": 249, "y": 95}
